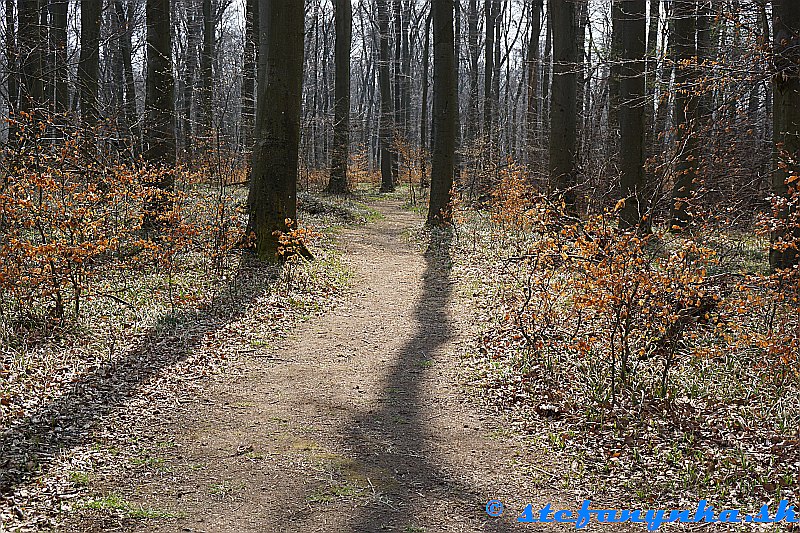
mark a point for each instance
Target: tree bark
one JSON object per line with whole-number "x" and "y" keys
{"x": 29, "y": 49}
{"x": 340, "y": 154}
{"x": 131, "y": 114}
{"x": 387, "y": 123}
{"x": 785, "y": 127}
{"x": 273, "y": 187}
{"x": 159, "y": 110}
{"x": 61, "y": 68}
{"x": 632, "y": 113}
{"x": 685, "y": 112}
{"x": 206, "y": 67}
{"x": 563, "y": 108}
{"x": 445, "y": 110}
{"x": 531, "y": 116}
{"x": 488, "y": 86}
{"x": 89, "y": 63}
{"x": 423, "y": 127}
{"x": 249, "y": 72}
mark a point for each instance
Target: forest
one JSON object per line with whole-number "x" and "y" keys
{"x": 365, "y": 265}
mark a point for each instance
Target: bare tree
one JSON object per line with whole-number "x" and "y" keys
{"x": 563, "y": 108}
{"x": 786, "y": 118}
{"x": 632, "y": 112}
{"x": 340, "y": 153}
{"x": 445, "y": 109}
{"x": 272, "y": 202}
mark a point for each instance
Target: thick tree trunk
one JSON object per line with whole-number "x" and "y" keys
{"x": 786, "y": 125}
{"x": 387, "y": 123}
{"x": 340, "y": 153}
{"x": 632, "y": 113}
{"x": 159, "y": 109}
{"x": 563, "y": 109}
{"x": 685, "y": 112}
{"x": 445, "y": 109}
{"x": 89, "y": 63}
{"x": 273, "y": 187}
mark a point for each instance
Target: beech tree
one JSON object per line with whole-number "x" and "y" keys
{"x": 563, "y": 107}
{"x": 445, "y": 110}
{"x": 632, "y": 112}
{"x": 685, "y": 21}
{"x": 340, "y": 150}
{"x": 387, "y": 112}
{"x": 89, "y": 64}
{"x": 272, "y": 202}
{"x": 786, "y": 123}
{"x": 160, "y": 143}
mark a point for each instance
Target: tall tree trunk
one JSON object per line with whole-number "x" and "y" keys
{"x": 206, "y": 67}
{"x": 131, "y": 115}
{"x": 399, "y": 134}
{"x": 61, "y": 68}
{"x": 617, "y": 16}
{"x": 159, "y": 109}
{"x": 340, "y": 153}
{"x": 423, "y": 127}
{"x": 488, "y": 120}
{"x": 249, "y": 72}
{"x": 445, "y": 109}
{"x": 532, "y": 117}
{"x": 190, "y": 70}
{"x": 685, "y": 112}
{"x": 785, "y": 126}
{"x": 473, "y": 113}
{"x": 29, "y": 50}
{"x": 273, "y": 187}
{"x": 632, "y": 113}
{"x": 386, "y": 125}
{"x": 11, "y": 56}
{"x": 563, "y": 109}
{"x": 89, "y": 63}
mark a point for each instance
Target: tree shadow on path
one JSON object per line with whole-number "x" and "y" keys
{"x": 396, "y": 439}
{"x": 31, "y": 445}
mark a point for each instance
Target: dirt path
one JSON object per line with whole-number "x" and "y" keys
{"x": 355, "y": 424}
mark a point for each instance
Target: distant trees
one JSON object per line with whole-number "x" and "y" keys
{"x": 445, "y": 110}
{"x": 272, "y": 203}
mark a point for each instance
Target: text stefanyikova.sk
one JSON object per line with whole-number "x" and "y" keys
{"x": 653, "y": 519}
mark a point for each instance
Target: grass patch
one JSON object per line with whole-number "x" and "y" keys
{"x": 114, "y": 504}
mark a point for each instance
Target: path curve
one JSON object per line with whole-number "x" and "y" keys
{"x": 357, "y": 423}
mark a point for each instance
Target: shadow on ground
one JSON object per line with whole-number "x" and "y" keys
{"x": 396, "y": 439}
{"x": 30, "y": 445}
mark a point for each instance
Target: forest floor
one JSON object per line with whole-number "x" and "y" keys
{"x": 358, "y": 421}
